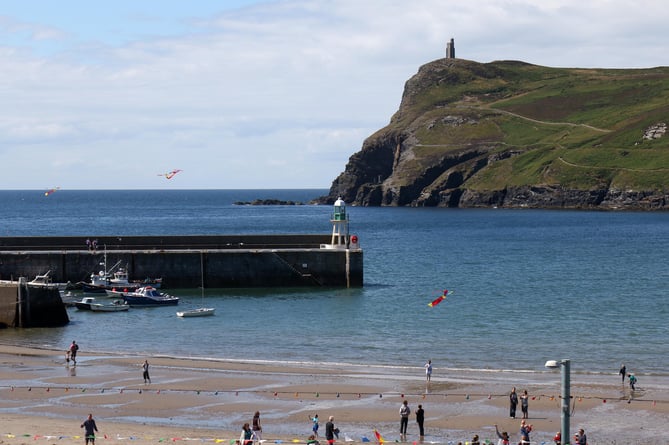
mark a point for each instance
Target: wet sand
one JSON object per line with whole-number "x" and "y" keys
{"x": 193, "y": 399}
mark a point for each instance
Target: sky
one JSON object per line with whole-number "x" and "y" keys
{"x": 251, "y": 94}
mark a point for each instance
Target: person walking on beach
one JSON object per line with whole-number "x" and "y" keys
{"x": 404, "y": 417}
{"x": 524, "y": 403}
{"x": 257, "y": 428}
{"x": 623, "y": 372}
{"x": 74, "y": 347}
{"x": 428, "y": 370}
{"x": 513, "y": 402}
{"x": 582, "y": 439}
{"x": 90, "y": 429}
{"x": 145, "y": 372}
{"x": 330, "y": 431}
{"x": 420, "y": 418}
{"x": 632, "y": 379}
{"x": 314, "y": 426}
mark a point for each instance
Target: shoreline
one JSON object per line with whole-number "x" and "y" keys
{"x": 198, "y": 398}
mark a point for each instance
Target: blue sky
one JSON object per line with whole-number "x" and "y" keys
{"x": 258, "y": 94}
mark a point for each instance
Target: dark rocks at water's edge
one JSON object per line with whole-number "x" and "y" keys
{"x": 268, "y": 202}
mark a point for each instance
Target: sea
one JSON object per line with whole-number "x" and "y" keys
{"x": 527, "y": 285}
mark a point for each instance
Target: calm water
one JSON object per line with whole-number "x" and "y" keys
{"x": 529, "y": 285}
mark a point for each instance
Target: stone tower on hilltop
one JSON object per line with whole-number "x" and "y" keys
{"x": 450, "y": 50}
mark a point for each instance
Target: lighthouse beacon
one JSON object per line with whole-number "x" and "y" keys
{"x": 340, "y": 235}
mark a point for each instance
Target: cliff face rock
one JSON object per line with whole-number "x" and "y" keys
{"x": 510, "y": 134}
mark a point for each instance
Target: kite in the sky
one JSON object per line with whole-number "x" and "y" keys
{"x": 440, "y": 299}
{"x": 50, "y": 191}
{"x": 171, "y": 174}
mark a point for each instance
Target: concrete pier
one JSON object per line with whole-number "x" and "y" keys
{"x": 221, "y": 261}
{"x": 24, "y": 306}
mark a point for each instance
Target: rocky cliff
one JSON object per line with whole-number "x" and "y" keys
{"x": 511, "y": 134}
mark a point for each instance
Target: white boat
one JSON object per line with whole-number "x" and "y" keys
{"x": 201, "y": 311}
{"x": 89, "y": 304}
{"x": 45, "y": 281}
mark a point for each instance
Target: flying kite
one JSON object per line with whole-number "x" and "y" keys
{"x": 171, "y": 174}
{"x": 440, "y": 299}
{"x": 50, "y": 191}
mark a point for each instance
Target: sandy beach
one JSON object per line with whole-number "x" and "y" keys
{"x": 45, "y": 400}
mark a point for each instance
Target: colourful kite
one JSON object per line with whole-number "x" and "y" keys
{"x": 378, "y": 436}
{"x": 440, "y": 299}
{"x": 171, "y": 174}
{"x": 50, "y": 191}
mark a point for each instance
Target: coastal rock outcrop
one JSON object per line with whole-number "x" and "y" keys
{"x": 515, "y": 135}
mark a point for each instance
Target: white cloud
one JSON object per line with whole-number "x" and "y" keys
{"x": 274, "y": 95}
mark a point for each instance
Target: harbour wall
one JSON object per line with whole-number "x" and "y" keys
{"x": 220, "y": 261}
{"x": 26, "y": 306}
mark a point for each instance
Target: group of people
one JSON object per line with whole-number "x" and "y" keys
{"x": 405, "y": 412}
{"x": 331, "y": 431}
{"x": 253, "y": 432}
{"x": 631, "y": 377}
{"x": 513, "y": 403}
{"x": 71, "y": 353}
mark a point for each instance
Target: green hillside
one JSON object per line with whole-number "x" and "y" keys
{"x": 466, "y": 130}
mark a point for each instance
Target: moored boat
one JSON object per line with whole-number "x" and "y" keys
{"x": 89, "y": 304}
{"x": 46, "y": 281}
{"x": 149, "y": 296}
{"x": 199, "y": 312}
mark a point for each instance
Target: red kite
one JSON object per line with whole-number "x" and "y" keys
{"x": 171, "y": 174}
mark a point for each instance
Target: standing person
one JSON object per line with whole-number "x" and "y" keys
{"x": 145, "y": 372}
{"x": 623, "y": 372}
{"x": 632, "y": 381}
{"x": 246, "y": 438}
{"x": 257, "y": 428}
{"x": 404, "y": 417}
{"x": 582, "y": 439}
{"x": 74, "y": 347}
{"x": 91, "y": 428}
{"x": 314, "y": 426}
{"x": 420, "y": 418}
{"x": 513, "y": 402}
{"x": 525, "y": 430}
{"x": 503, "y": 437}
{"x": 428, "y": 370}
{"x": 524, "y": 404}
{"x": 330, "y": 430}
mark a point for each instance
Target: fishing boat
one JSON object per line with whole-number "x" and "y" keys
{"x": 46, "y": 281}
{"x": 149, "y": 296}
{"x": 201, "y": 311}
{"x": 110, "y": 279}
{"x": 89, "y": 304}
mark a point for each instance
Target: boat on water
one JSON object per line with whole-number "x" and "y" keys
{"x": 110, "y": 279}
{"x": 89, "y": 304}
{"x": 149, "y": 296}
{"x": 201, "y": 311}
{"x": 46, "y": 281}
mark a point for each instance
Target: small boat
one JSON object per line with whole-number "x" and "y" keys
{"x": 89, "y": 304}
{"x": 149, "y": 296}
{"x": 45, "y": 281}
{"x": 201, "y": 311}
